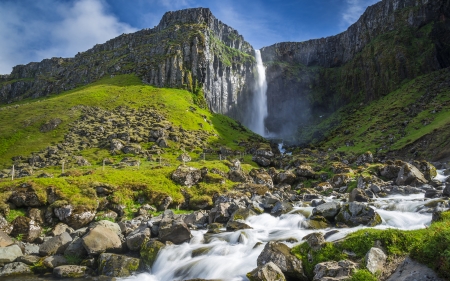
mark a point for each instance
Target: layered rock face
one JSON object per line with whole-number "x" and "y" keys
{"x": 189, "y": 49}
{"x": 393, "y": 41}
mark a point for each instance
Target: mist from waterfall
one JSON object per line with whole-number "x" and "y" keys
{"x": 259, "y": 103}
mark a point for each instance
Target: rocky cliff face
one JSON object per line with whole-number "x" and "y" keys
{"x": 393, "y": 41}
{"x": 189, "y": 49}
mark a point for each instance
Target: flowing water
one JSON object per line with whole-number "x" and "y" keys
{"x": 231, "y": 255}
{"x": 259, "y": 108}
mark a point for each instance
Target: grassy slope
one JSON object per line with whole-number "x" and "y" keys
{"x": 20, "y": 135}
{"x": 418, "y": 108}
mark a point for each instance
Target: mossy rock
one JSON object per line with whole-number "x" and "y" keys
{"x": 149, "y": 252}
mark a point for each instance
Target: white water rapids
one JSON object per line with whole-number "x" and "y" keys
{"x": 231, "y": 255}
{"x": 259, "y": 112}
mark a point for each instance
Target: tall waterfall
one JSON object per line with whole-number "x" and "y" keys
{"x": 259, "y": 102}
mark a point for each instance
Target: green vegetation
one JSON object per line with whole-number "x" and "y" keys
{"x": 13, "y": 214}
{"x": 151, "y": 180}
{"x": 429, "y": 246}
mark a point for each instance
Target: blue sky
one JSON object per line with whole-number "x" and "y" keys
{"x": 32, "y": 30}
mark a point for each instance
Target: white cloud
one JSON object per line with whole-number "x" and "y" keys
{"x": 52, "y": 28}
{"x": 354, "y": 9}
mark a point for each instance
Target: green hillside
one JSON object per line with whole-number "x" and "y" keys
{"x": 127, "y": 107}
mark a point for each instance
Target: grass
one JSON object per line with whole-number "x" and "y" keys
{"x": 14, "y": 213}
{"x": 21, "y": 135}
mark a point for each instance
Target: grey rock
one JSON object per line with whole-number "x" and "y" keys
{"x": 328, "y": 210}
{"x": 137, "y": 237}
{"x": 101, "y": 239}
{"x": 281, "y": 208}
{"x": 10, "y": 253}
{"x": 5, "y": 240}
{"x": 410, "y": 175}
{"x": 411, "y": 270}
{"x": 186, "y": 176}
{"x": 358, "y": 195}
{"x": 70, "y": 271}
{"x": 375, "y": 260}
{"x": 334, "y": 271}
{"x": 266, "y": 272}
{"x": 14, "y": 269}
{"x": 76, "y": 249}
{"x": 28, "y": 259}
{"x": 107, "y": 224}
{"x": 55, "y": 245}
{"x": 280, "y": 254}
{"x": 355, "y": 213}
{"x": 60, "y": 228}
{"x": 54, "y": 261}
{"x": 174, "y": 231}
{"x": 117, "y": 265}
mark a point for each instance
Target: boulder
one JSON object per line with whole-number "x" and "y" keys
{"x": 54, "y": 261}
{"x": 4, "y": 225}
{"x": 14, "y": 269}
{"x": 280, "y": 254}
{"x": 358, "y": 195}
{"x": 101, "y": 239}
{"x": 266, "y": 272}
{"x": 10, "y": 253}
{"x": 375, "y": 260}
{"x": 327, "y": 210}
{"x": 261, "y": 161}
{"x": 411, "y": 270}
{"x": 219, "y": 213}
{"x": 427, "y": 169}
{"x": 389, "y": 172}
{"x": 446, "y": 191}
{"x": 281, "y": 208}
{"x": 340, "y": 180}
{"x": 410, "y": 175}
{"x": 137, "y": 237}
{"x": 149, "y": 252}
{"x": 60, "y": 228}
{"x": 117, "y": 265}
{"x": 236, "y": 225}
{"x": 174, "y": 231}
{"x": 76, "y": 249}
{"x": 28, "y": 259}
{"x": 305, "y": 171}
{"x": 55, "y": 245}
{"x": 334, "y": 271}
{"x": 26, "y": 197}
{"x": 5, "y": 240}
{"x": 287, "y": 177}
{"x": 70, "y": 271}
{"x": 315, "y": 240}
{"x": 197, "y": 218}
{"x": 260, "y": 176}
{"x": 186, "y": 176}
{"x": 237, "y": 176}
{"x": 108, "y": 224}
{"x": 355, "y": 213}
{"x": 165, "y": 203}
{"x": 367, "y": 157}
{"x": 27, "y": 228}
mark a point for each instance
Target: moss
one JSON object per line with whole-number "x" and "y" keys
{"x": 14, "y": 213}
{"x": 149, "y": 252}
{"x": 362, "y": 275}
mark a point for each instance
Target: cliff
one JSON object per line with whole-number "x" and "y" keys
{"x": 393, "y": 42}
{"x": 189, "y": 49}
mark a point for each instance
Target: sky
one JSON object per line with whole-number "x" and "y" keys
{"x": 33, "y": 30}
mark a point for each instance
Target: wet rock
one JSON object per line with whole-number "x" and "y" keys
{"x": 174, "y": 231}
{"x": 281, "y": 208}
{"x": 427, "y": 169}
{"x": 316, "y": 222}
{"x": 55, "y": 245}
{"x": 355, "y": 213}
{"x": 186, "y": 176}
{"x": 280, "y": 254}
{"x": 101, "y": 239}
{"x": 315, "y": 240}
{"x": 433, "y": 193}
{"x": 358, "y": 195}
{"x": 14, "y": 269}
{"x": 5, "y": 240}
{"x": 266, "y": 272}
{"x": 333, "y": 270}
{"x": 214, "y": 228}
{"x": 70, "y": 271}
{"x": 219, "y": 213}
{"x": 10, "y": 253}
{"x": 328, "y": 210}
{"x": 375, "y": 260}
{"x": 149, "y": 252}
{"x": 410, "y": 175}
{"x": 236, "y": 225}
{"x": 54, "y": 261}
{"x": 446, "y": 191}
{"x": 117, "y": 265}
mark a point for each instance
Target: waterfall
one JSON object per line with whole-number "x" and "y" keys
{"x": 259, "y": 103}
